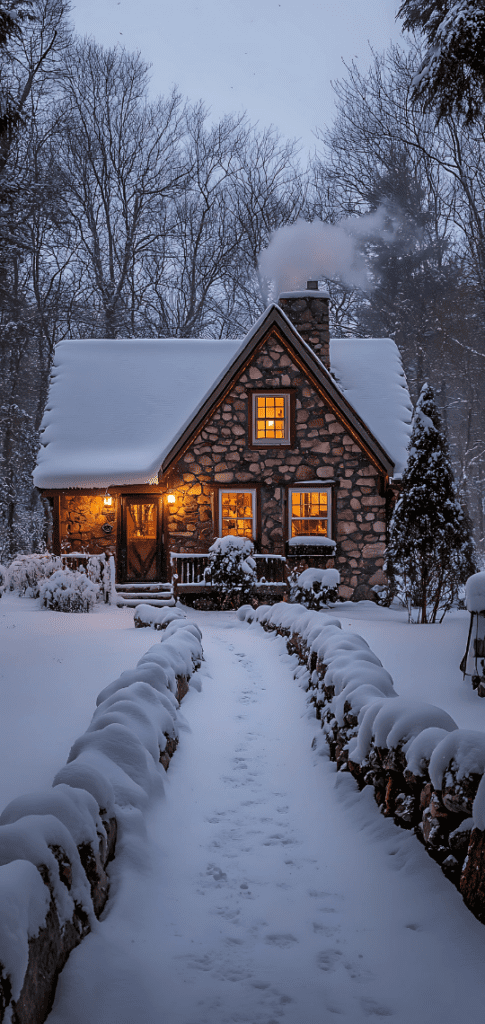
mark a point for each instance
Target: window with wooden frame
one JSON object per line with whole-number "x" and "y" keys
{"x": 270, "y": 418}
{"x": 309, "y": 511}
{"x": 237, "y": 513}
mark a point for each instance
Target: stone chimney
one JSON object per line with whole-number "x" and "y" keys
{"x": 308, "y": 312}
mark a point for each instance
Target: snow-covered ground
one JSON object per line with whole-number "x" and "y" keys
{"x": 52, "y": 667}
{"x": 266, "y": 889}
{"x": 422, "y": 660}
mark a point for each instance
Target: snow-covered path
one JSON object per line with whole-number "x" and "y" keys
{"x": 267, "y": 890}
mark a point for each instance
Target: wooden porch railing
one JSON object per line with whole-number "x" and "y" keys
{"x": 190, "y": 570}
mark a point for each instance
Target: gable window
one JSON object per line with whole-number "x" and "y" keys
{"x": 309, "y": 512}
{"x": 270, "y": 418}
{"x": 237, "y": 513}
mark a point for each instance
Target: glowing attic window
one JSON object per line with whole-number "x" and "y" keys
{"x": 271, "y": 418}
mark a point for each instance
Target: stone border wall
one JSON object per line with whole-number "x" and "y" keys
{"x": 52, "y": 886}
{"x": 440, "y": 816}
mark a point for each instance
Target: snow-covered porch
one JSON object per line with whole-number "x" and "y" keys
{"x": 190, "y": 574}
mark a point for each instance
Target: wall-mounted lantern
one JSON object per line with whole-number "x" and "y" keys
{"x": 107, "y": 500}
{"x": 171, "y": 498}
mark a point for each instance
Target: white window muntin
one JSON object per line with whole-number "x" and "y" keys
{"x": 314, "y": 516}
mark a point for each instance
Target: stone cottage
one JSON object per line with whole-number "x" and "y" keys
{"x": 151, "y": 448}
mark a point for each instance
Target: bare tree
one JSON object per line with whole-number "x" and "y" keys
{"x": 120, "y": 161}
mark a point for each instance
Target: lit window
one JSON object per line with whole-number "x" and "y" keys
{"x": 237, "y": 513}
{"x": 271, "y": 418}
{"x": 309, "y": 513}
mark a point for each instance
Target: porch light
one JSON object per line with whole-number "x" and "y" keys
{"x": 107, "y": 500}
{"x": 171, "y": 499}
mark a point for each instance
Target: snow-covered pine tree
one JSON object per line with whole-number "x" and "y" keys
{"x": 430, "y": 552}
{"x": 452, "y": 75}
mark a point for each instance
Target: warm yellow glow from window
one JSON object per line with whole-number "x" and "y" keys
{"x": 237, "y": 511}
{"x": 271, "y": 417}
{"x": 171, "y": 499}
{"x": 309, "y": 513}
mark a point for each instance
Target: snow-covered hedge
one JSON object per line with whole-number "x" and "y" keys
{"x": 314, "y": 588}
{"x": 55, "y": 847}
{"x": 26, "y": 572}
{"x": 68, "y": 591}
{"x": 146, "y": 615}
{"x": 426, "y": 772}
{"x": 232, "y": 570}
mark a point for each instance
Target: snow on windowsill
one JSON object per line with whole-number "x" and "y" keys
{"x": 311, "y": 541}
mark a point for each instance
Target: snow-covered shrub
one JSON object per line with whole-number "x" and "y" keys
{"x": 68, "y": 591}
{"x": 26, "y": 572}
{"x": 475, "y": 592}
{"x": 232, "y": 570}
{"x": 314, "y": 587}
{"x": 4, "y": 579}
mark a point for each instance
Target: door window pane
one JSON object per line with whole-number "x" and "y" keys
{"x": 142, "y": 520}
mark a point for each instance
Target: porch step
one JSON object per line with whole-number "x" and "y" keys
{"x": 158, "y": 595}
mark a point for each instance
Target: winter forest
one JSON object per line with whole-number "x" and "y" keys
{"x": 123, "y": 216}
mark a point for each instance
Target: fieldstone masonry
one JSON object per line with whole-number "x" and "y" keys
{"x": 323, "y": 450}
{"x": 309, "y": 314}
{"x": 221, "y": 454}
{"x": 82, "y": 520}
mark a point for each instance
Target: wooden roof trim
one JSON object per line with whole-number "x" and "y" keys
{"x": 350, "y": 418}
{"x": 308, "y": 362}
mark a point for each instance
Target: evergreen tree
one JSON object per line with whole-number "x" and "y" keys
{"x": 430, "y": 552}
{"x": 452, "y": 75}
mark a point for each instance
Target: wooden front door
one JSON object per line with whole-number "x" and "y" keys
{"x": 141, "y": 537}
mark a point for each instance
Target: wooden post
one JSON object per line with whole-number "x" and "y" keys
{"x": 56, "y": 525}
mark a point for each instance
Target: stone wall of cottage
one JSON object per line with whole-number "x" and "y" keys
{"x": 323, "y": 450}
{"x": 82, "y": 518}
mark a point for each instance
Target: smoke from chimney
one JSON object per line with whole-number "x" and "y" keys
{"x": 313, "y": 249}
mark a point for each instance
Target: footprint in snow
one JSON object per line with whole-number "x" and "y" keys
{"x": 328, "y": 959}
{"x": 215, "y": 872}
{"x": 373, "y": 1009}
{"x": 282, "y": 940}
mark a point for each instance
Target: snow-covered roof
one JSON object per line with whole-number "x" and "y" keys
{"x": 117, "y": 406}
{"x": 370, "y": 373}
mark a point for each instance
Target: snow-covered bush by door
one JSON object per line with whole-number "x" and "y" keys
{"x": 232, "y": 570}
{"x": 68, "y": 591}
{"x": 27, "y": 572}
{"x": 314, "y": 587}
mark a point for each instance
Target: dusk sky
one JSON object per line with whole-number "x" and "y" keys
{"x": 273, "y": 58}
